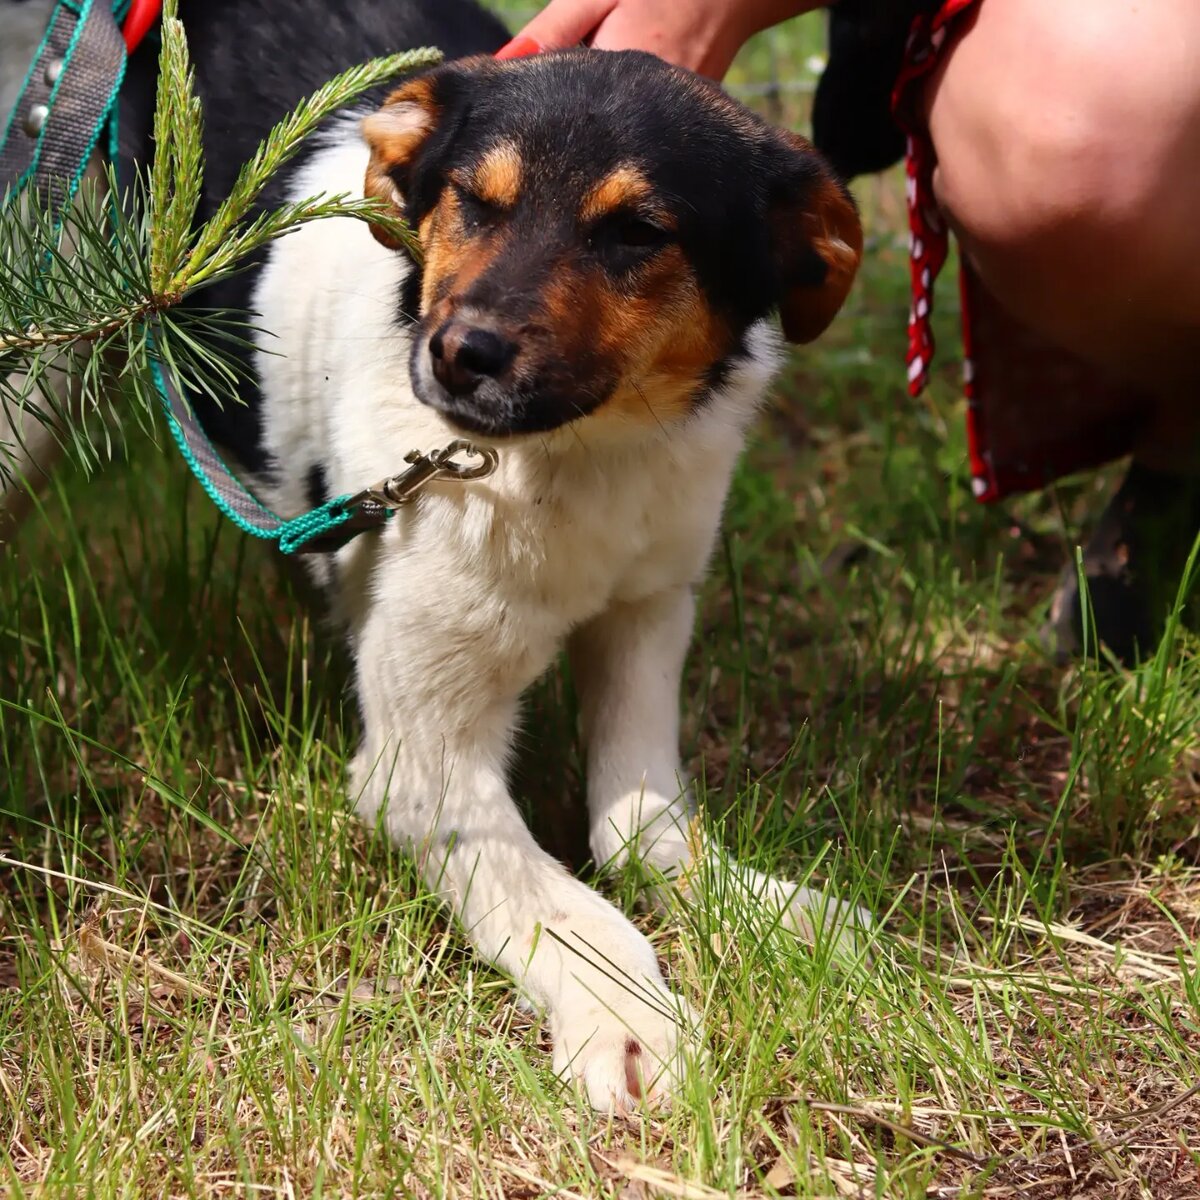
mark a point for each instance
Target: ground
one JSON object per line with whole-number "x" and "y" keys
{"x": 214, "y": 981}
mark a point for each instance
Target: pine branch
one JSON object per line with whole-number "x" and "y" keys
{"x": 178, "y": 170}
{"x": 285, "y": 140}
{"x": 81, "y": 301}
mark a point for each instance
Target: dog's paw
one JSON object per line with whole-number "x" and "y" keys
{"x": 631, "y": 1052}
{"x": 818, "y": 918}
{"x": 812, "y": 915}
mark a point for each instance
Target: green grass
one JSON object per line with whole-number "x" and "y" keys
{"x": 214, "y": 981}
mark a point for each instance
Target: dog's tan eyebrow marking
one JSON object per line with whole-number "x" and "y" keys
{"x": 623, "y": 187}
{"x": 496, "y": 178}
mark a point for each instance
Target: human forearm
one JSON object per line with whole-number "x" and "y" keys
{"x": 702, "y": 35}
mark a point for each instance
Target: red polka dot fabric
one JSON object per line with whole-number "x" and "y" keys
{"x": 1034, "y": 411}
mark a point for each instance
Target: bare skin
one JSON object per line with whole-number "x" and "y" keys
{"x": 1068, "y": 138}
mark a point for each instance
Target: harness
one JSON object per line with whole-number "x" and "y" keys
{"x": 67, "y": 108}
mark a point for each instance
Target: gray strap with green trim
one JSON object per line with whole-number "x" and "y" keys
{"x": 322, "y": 529}
{"x": 65, "y": 103}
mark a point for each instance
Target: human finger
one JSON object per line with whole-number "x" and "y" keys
{"x": 560, "y": 24}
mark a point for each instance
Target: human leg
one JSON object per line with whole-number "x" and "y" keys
{"x": 1068, "y": 142}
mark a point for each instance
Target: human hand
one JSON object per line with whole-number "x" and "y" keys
{"x": 702, "y": 35}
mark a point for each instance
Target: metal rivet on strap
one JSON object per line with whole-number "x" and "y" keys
{"x": 35, "y": 119}
{"x": 54, "y": 68}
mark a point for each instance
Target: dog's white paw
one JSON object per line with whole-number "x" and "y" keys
{"x": 817, "y": 917}
{"x": 812, "y": 915}
{"x": 629, "y": 1052}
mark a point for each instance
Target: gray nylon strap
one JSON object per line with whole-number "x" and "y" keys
{"x": 20, "y": 146}
{"x": 68, "y": 94}
{"x": 215, "y": 471}
{"x": 233, "y": 498}
{"x": 87, "y": 89}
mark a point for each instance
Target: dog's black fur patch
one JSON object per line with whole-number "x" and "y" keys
{"x": 317, "y": 486}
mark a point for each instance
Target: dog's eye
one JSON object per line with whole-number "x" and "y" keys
{"x": 476, "y": 211}
{"x": 638, "y": 233}
{"x": 629, "y": 234}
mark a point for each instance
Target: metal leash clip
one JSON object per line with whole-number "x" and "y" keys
{"x": 396, "y": 490}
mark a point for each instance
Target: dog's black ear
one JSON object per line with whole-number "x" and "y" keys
{"x": 816, "y": 239}
{"x": 396, "y": 133}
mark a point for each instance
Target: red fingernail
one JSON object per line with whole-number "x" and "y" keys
{"x": 520, "y": 47}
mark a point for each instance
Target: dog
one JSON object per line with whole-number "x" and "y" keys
{"x": 604, "y": 241}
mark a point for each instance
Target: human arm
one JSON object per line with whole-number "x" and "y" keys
{"x": 702, "y": 35}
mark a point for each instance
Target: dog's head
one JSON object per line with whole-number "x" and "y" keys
{"x": 599, "y": 232}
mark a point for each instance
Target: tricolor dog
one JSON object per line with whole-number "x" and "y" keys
{"x": 605, "y": 240}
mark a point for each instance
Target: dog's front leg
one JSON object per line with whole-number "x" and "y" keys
{"x": 432, "y": 768}
{"x": 627, "y": 665}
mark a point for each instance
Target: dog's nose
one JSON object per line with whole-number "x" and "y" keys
{"x": 465, "y": 354}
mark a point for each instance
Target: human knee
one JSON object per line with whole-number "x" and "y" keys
{"x": 1083, "y": 137}
{"x": 1053, "y": 183}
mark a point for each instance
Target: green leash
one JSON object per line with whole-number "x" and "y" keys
{"x": 67, "y": 104}
{"x": 331, "y": 525}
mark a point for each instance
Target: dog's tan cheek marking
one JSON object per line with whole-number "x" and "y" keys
{"x": 663, "y": 341}
{"x": 571, "y": 308}
{"x": 432, "y": 235}
{"x": 497, "y": 177}
{"x": 657, "y": 340}
{"x": 453, "y": 261}
{"x": 454, "y": 257}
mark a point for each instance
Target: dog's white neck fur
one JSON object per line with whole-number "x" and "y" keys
{"x": 590, "y": 539}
